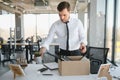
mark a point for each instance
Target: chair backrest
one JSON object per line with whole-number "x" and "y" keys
{"x": 5, "y": 49}
{"x": 97, "y": 56}
{"x": 34, "y": 48}
{"x": 17, "y": 48}
{"x": 98, "y": 53}
{"x": 47, "y": 58}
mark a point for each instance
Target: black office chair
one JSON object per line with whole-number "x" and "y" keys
{"x": 19, "y": 50}
{"x": 97, "y": 56}
{"x": 6, "y": 52}
{"x": 49, "y": 57}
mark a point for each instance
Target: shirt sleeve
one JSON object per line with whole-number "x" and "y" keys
{"x": 49, "y": 38}
{"x": 82, "y": 34}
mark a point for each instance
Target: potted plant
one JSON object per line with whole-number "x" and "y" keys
{"x": 37, "y": 58}
{"x": 37, "y": 54}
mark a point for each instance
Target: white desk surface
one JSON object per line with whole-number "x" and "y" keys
{"x": 31, "y": 73}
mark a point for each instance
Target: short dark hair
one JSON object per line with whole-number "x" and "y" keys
{"x": 63, "y": 5}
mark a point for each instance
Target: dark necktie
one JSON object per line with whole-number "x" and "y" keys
{"x": 67, "y": 43}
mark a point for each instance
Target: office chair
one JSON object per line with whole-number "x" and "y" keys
{"x": 7, "y": 51}
{"x": 19, "y": 47}
{"x": 19, "y": 51}
{"x": 97, "y": 56}
{"x": 33, "y": 48}
{"x": 48, "y": 57}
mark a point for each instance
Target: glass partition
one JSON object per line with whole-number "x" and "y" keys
{"x": 117, "y": 46}
{"x": 7, "y": 21}
{"x": 110, "y": 15}
{"x": 39, "y": 24}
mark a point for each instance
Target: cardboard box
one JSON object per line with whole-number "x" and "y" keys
{"x": 74, "y": 66}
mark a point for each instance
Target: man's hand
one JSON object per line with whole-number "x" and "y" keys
{"x": 42, "y": 51}
{"x": 82, "y": 48}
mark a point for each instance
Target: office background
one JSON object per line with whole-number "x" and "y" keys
{"x": 100, "y": 18}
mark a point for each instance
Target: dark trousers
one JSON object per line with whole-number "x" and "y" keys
{"x": 70, "y": 53}
{"x": 63, "y": 53}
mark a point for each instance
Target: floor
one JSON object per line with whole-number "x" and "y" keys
{"x": 3, "y": 69}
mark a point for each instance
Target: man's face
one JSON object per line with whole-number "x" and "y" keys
{"x": 64, "y": 15}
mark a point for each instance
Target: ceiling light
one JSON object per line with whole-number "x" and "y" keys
{"x": 12, "y": 6}
{"x": 1, "y": 0}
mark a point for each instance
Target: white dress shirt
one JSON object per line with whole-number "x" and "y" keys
{"x": 76, "y": 34}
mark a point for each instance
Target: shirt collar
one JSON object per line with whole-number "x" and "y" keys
{"x": 68, "y": 20}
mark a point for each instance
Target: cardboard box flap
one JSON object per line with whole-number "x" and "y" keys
{"x": 77, "y": 58}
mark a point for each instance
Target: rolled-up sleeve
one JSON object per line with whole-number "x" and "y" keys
{"x": 82, "y": 34}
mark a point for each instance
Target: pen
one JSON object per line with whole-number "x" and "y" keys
{"x": 47, "y": 74}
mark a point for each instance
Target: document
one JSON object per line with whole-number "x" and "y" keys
{"x": 51, "y": 66}
{"x": 115, "y": 72}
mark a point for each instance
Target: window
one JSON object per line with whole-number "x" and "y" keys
{"x": 117, "y": 46}
{"x": 7, "y": 21}
{"x": 39, "y": 24}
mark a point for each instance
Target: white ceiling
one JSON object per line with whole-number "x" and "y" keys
{"x": 28, "y": 6}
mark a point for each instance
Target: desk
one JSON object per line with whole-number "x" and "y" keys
{"x": 11, "y": 47}
{"x": 32, "y": 74}
{"x": 27, "y": 47}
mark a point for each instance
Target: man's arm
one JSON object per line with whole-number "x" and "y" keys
{"x": 83, "y": 48}
{"x": 45, "y": 45}
{"x": 42, "y": 51}
{"x": 83, "y": 41}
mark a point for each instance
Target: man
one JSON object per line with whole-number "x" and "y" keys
{"x": 70, "y": 33}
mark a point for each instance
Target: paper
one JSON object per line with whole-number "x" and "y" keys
{"x": 51, "y": 66}
{"x": 115, "y": 72}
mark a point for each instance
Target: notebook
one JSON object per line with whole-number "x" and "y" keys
{"x": 51, "y": 65}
